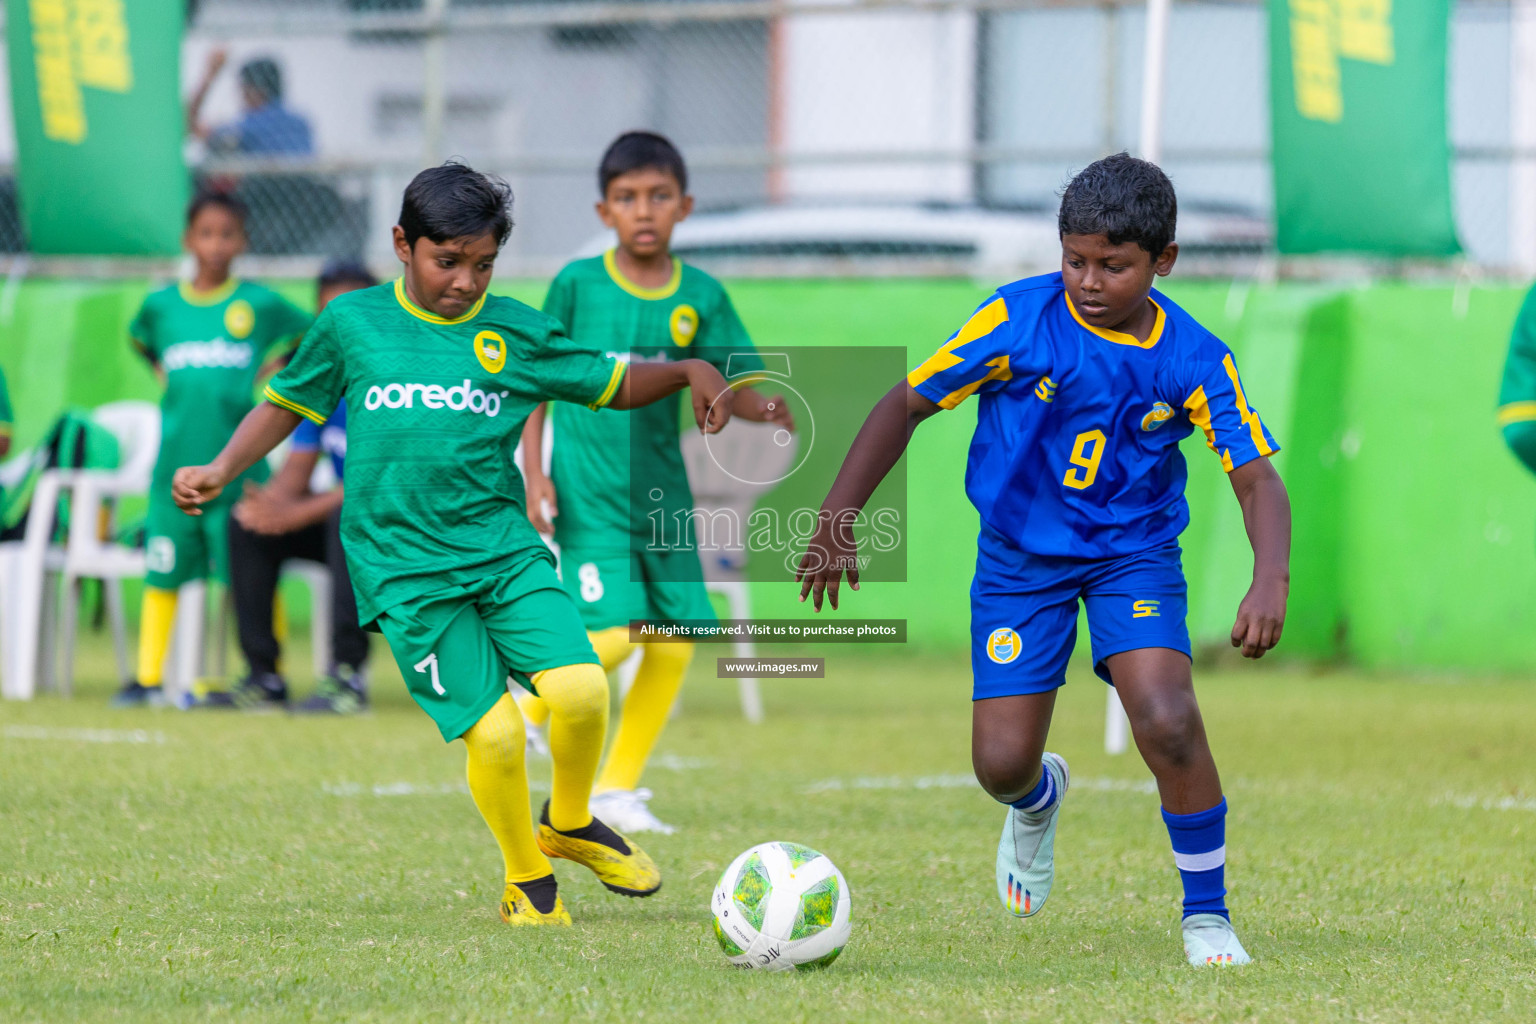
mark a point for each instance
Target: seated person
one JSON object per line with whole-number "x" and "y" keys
{"x": 284, "y": 520}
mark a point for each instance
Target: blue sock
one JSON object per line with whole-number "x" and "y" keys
{"x": 1200, "y": 851}
{"x": 1040, "y": 799}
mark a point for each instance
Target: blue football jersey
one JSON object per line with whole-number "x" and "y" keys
{"x": 1076, "y": 450}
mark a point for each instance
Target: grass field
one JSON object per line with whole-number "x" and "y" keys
{"x": 168, "y": 866}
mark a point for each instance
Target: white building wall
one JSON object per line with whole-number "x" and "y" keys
{"x": 879, "y": 83}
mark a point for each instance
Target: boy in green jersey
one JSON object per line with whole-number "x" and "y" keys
{"x": 209, "y": 340}
{"x": 438, "y": 378}
{"x": 640, "y": 300}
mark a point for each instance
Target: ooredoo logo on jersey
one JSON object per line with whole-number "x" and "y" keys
{"x": 463, "y": 397}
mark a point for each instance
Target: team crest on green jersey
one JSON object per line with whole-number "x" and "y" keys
{"x": 491, "y": 350}
{"x": 239, "y": 319}
{"x": 685, "y": 324}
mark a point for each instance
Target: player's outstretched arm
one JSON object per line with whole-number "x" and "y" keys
{"x": 1267, "y": 518}
{"x": 263, "y": 428}
{"x": 879, "y": 445}
{"x": 713, "y": 400}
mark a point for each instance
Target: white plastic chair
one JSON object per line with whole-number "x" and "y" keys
{"x": 32, "y": 570}
{"x": 769, "y": 452}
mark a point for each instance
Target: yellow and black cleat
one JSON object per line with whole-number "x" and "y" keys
{"x": 518, "y": 909}
{"x": 618, "y": 863}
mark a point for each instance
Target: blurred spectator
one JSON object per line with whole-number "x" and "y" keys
{"x": 266, "y": 128}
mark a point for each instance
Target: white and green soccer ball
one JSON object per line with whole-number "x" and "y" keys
{"x": 782, "y": 906}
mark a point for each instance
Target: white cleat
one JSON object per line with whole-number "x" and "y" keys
{"x": 625, "y": 811}
{"x": 1026, "y": 852}
{"x": 1210, "y": 941}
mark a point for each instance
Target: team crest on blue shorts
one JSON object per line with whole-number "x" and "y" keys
{"x": 1003, "y": 645}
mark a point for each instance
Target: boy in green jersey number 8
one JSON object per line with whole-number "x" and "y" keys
{"x": 638, "y": 299}
{"x": 210, "y": 341}
{"x": 439, "y": 377}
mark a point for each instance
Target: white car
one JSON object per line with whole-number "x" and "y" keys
{"x": 916, "y": 238}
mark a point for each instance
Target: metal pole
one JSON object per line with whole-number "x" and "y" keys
{"x": 1154, "y": 65}
{"x": 1154, "y": 68}
{"x": 434, "y": 89}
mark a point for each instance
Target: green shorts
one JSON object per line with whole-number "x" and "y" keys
{"x": 179, "y": 548}
{"x": 456, "y": 646}
{"x": 613, "y": 585}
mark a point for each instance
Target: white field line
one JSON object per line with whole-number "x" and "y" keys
{"x": 958, "y": 781}
{"x": 42, "y": 732}
{"x": 1504, "y": 803}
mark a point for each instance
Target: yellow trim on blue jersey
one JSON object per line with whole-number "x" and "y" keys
{"x": 432, "y": 318}
{"x": 1255, "y": 427}
{"x": 982, "y": 323}
{"x": 619, "y": 366}
{"x": 194, "y": 297}
{"x": 291, "y": 406}
{"x": 666, "y": 291}
{"x": 1200, "y": 415}
{"x": 1120, "y": 337}
{"x": 1517, "y": 412}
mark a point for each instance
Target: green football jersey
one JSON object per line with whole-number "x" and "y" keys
{"x": 212, "y": 347}
{"x": 435, "y": 408}
{"x": 6, "y": 417}
{"x": 596, "y": 460}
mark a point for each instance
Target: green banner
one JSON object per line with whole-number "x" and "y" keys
{"x": 95, "y": 94}
{"x": 1357, "y": 101}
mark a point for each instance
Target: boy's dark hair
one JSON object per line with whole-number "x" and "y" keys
{"x": 635, "y": 151}
{"x": 1124, "y": 199}
{"x": 453, "y": 200}
{"x": 263, "y": 77}
{"x": 202, "y": 200}
{"x": 337, "y": 272}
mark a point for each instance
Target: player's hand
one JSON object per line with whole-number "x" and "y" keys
{"x": 262, "y": 511}
{"x": 541, "y": 496}
{"x": 776, "y": 410}
{"x": 713, "y": 399}
{"x": 831, "y": 552}
{"x": 1261, "y": 617}
{"x": 195, "y": 486}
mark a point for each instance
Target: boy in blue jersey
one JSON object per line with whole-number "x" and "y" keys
{"x": 1088, "y": 380}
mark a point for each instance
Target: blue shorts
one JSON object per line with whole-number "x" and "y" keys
{"x": 1024, "y": 613}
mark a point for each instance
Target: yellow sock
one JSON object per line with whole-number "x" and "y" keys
{"x": 498, "y": 783}
{"x": 156, "y": 618}
{"x": 612, "y": 647}
{"x": 662, "y": 669}
{"x": 577, "y": 696}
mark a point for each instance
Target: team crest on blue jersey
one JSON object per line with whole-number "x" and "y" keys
{"x": 1003, "y": 645}
{"x": 1161, "y": 413}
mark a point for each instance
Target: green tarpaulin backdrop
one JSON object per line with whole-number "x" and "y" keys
{"x": 1357, "y": 99}
{"x": 95, "y": 93}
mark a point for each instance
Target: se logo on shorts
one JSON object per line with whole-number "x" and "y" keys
{"x": 1003, "y": 645}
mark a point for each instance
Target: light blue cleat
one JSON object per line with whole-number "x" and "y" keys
{"x": 1026, "y": 857}
{"x": 1210, "y": 941}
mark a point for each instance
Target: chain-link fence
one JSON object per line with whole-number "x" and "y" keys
{"x": 914, "y": 135}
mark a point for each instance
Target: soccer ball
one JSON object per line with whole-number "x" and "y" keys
{"x": 781, "y": 906}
